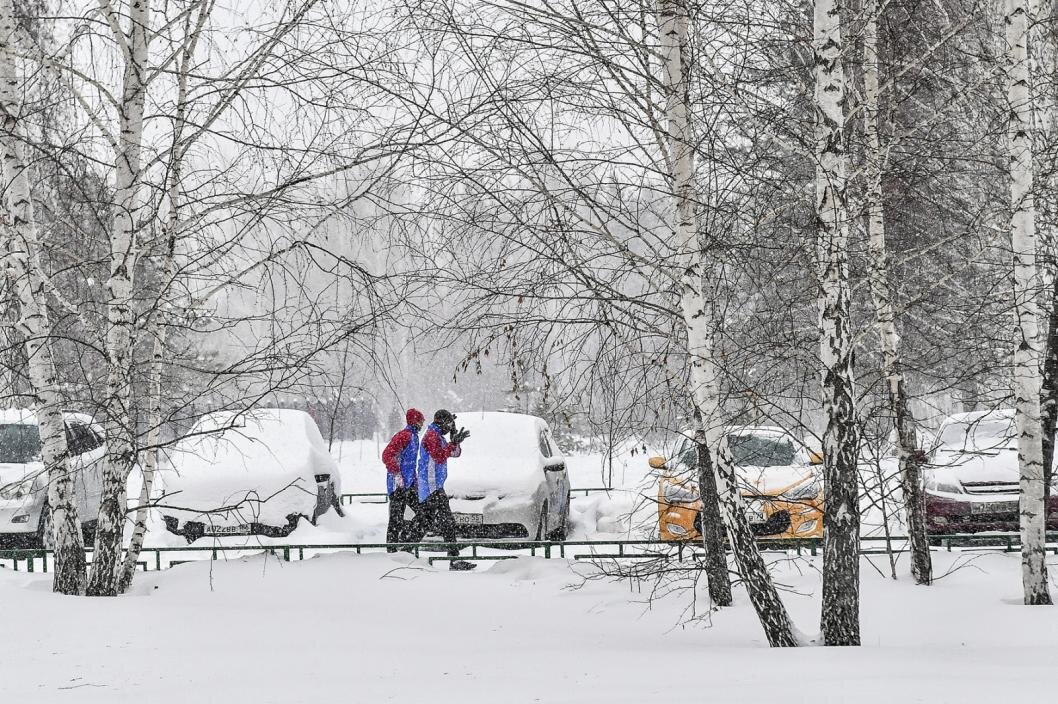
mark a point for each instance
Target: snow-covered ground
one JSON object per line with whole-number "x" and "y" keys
{"x": 382, "y": 628}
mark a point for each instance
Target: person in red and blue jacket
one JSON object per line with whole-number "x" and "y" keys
{"x": 400, "y": 457}
{"x": 435, "y": 513}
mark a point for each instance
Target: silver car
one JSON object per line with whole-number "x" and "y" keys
{"x": 23, "y": 481}
{"x": 511, "y": 479}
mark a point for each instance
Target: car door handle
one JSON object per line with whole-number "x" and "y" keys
{"x": 560, "y": 467}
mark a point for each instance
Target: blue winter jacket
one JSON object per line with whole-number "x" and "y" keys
{"x": 434, "y": 452}
{"x": 406, "y": 442}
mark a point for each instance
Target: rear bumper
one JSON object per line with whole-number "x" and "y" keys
{"x": 946, "y": 515}
{"x": 509, "y": 517}
{"x": 193, "y": 530}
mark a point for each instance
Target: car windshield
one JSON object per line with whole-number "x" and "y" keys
{"x": 19, "y": 443}
{"x": 748, "y": 450}
{"x": 979, "y": 435}
{"x": 761, "y": 450}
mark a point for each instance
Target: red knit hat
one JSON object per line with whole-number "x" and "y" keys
{"x": 415, "y": 417}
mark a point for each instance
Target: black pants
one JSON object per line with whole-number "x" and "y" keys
{"x": 399, "y": 530}
{"x": 434, "y": 515}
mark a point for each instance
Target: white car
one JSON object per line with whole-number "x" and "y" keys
{"x": 511, "y": 479}
{"x": 972, "y": 479}
{"x": 254, "y": 473}
{"x": 23, "y": 481}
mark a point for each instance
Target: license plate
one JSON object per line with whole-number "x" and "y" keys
{"x": 994, "y": 507}
{"x": 755, "y": 516}
{"x": 241, "y": 529}
{"x": 468, "y": 519}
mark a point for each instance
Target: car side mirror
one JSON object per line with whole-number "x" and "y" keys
{"x": 814, "y": 458}
{"x": 656, "y": 462}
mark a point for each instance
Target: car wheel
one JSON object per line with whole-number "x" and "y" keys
{"x": 541, "y": 525}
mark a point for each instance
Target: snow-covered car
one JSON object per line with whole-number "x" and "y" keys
{"x": 511, "y": 479}
{"x": 972, "y": 479}
{"x": 258, "y": 472}
{"x": 23, "y": 481}
{"x": 781, "y": 488}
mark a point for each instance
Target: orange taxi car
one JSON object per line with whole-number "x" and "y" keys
{"x": 782, "y": 490}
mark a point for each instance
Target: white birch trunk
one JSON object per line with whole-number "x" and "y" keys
{"x": 159, "y": 321}
{"x": 841, "y": 520}
{"x": 120, "y": 430}
{"x": 885, "y": 312}
{"x": 673, "y": 26}
{"x": 1027, "y": 373}
{"x": 21, "y": 264}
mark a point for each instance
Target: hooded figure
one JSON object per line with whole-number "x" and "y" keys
{"x": 400, "y": 458}
{"x": 434, "y": 512}
{"x": 402, "y": 453}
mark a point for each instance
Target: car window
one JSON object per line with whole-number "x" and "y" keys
{"x": 97, "y": 436}
{"x": 19, "y": 443}
{"x": 545, "y": 446}
{"x": 751, "y": 450}
{"x": 78, "y": 438}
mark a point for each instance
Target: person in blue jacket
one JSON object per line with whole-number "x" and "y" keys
{"x": 435, "y": 513}
{"x": 400, "y": 458}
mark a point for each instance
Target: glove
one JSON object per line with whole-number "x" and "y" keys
{"x": 398, "y": 481}
{"x": 459, "y": 437}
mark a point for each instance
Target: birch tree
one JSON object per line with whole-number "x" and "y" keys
{"x": 673, "y": 24}
{"x": 119, "y": 420}
{"x": 841, "y": 520}
{"x": 885, "y": 310}
{"x": 23, "y": 270}
{"x": 1027, "y": 350}
{"x": 159, "y": 323}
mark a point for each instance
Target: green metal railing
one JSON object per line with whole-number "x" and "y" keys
{"x": 159, "y": 558}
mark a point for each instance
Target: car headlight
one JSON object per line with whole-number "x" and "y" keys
{"x": 680, "y": 494}
{"x": 808, "y": 490}
{"x": 16, "y": 490}
{"x": 949, "y": 487}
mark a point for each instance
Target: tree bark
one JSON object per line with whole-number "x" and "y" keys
{"x": 841, "y": 519}
{"x": 120, "y": 423}
{"x": 1027, "y": 382}
{"x": 673, "y": 25}
{"x": 1049, "y": 394}
{"x": 885, "y": 311}
{"x": 712, "y": 522}
{"x": 22, "y": 266}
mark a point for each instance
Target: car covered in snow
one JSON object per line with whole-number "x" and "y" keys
{"x": 972, "y": 479}
{"x": 781, "y": 487}
{"x": 511, "y": 479}
{"x": 23, "y": 479}
{"x": 258, "y": 472}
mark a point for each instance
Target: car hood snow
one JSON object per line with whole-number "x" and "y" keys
{"x": 12, "y": 473}
{"x": 772, "y": 481}
{"x": 767, "y": 481}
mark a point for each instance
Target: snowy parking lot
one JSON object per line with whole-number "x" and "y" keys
{"x": 380, "y": 628}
